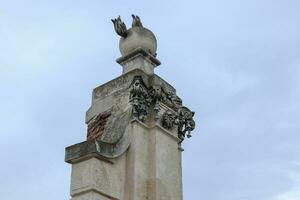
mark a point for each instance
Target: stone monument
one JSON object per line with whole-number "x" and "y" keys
{"x": 135, "y": 129}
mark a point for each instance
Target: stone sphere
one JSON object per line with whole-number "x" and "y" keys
{"x": 138, "y": 37}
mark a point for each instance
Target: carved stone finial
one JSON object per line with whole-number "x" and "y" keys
{"x": 135, "y": 37}
{"x": 120, "y": 27}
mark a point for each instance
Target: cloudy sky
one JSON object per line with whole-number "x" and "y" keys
{"x": 235, "y": 63}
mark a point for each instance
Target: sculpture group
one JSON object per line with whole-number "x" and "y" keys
{"x": 142, "y": 98}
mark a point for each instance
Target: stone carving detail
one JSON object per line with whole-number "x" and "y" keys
{"x": 183, "y": 119}
{"x": 157, "y": 95}
{"x": 108, "y": 132}
{"x": 169, "y": 98}
{"x": 120, "y": 27}
{"x": 139, "y": 99}
{"x": 185, "y": 123}
{"x": 172, "y": 100}
{"x": 136, "y": 21}
{"x": 168, "y": 119}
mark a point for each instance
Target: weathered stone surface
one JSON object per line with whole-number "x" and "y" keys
{"x": 142, "y": 94}
{"x": 114, "y": 92}
{"x": 136, "y": 124}
{"x": 99, "y": 148}
{"x": 138, "y": 59}
{"x": 138, "y": 174}
{"x": 168, "y": 119}
{"x": 81, "y": 151}
{"x": 95, "y": 179}
{"x": 139, "y": 99}
{"x": 96, "y": 127}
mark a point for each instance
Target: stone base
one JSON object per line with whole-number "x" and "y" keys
{"x": 149, "y": 170}
{"x": 95, "y": 179}
{"x": 139, "y": 59}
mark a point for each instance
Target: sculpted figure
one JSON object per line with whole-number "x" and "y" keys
{"x": 139, "y": 99}
{"x": 185, "y": 123}
{"x": 157, "y": 95}
{"x": 168, "y": 120}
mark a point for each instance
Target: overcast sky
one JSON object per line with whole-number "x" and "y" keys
{"x": 235, "y": 63}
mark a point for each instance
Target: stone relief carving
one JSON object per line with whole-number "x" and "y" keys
{"x": 141, "y": 97}
{"x": 183, "y": 118}
{"x": 185, "y": 123}
{"x": 157, "y": 95}
{"x": 168, "y": 119}
{"x": 172, "y": 100}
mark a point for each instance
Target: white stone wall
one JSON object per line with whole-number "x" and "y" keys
{"x": 149, "y": 170}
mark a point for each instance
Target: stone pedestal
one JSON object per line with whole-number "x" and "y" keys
{"x": 149, "y": 169}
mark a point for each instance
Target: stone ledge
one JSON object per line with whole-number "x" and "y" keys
{"x": 136, "y": 52}
{"x": 83, "y": 151}
{"x": 92, "y": 189}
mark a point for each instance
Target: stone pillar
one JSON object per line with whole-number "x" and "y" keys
{"x": 136, "y": 125}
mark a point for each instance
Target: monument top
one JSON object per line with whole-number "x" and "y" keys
{"x": 135, "y": 37}
{"x": 135, "y": 128}
{"x": 137, "y": 45}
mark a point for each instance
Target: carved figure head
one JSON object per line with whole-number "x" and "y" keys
{"x": 157, "y": 92}
{"x": 168, "y": 119}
